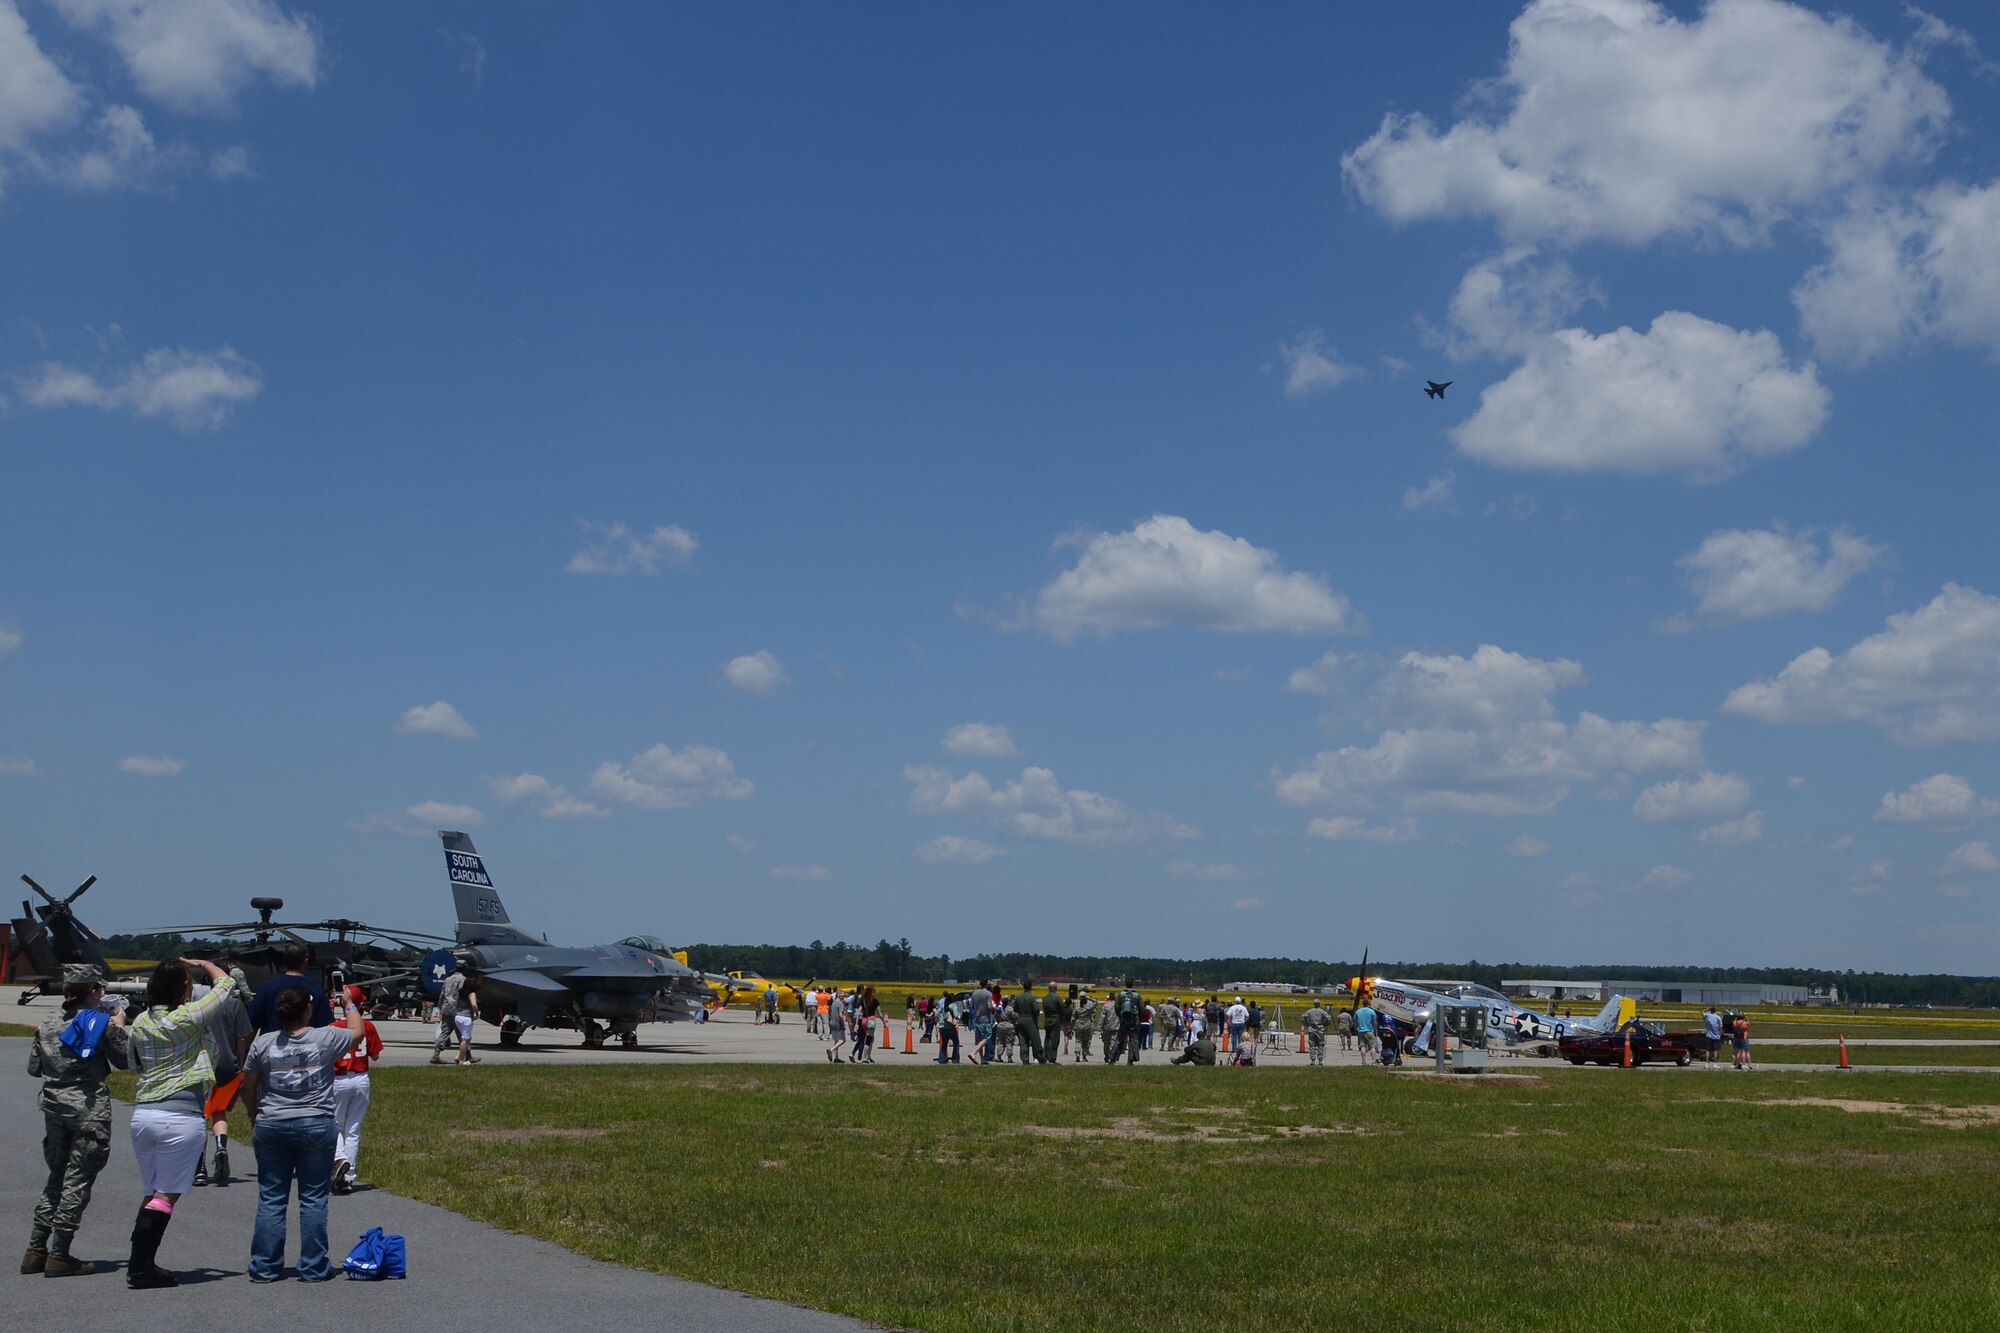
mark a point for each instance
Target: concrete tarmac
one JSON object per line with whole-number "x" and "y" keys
{"x": 463, "y": 1274}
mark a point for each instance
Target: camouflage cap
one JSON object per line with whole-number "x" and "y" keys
{"x": 75, "y": 972}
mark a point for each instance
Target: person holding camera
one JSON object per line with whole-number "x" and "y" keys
{"x": 288, "y": 1077}
{"x": 169, "y": 1048}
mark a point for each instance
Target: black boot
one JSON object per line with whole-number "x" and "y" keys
{"x": 142, "y": 1273}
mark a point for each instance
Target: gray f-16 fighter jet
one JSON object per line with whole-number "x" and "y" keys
{"x": 1432, "y": 389}
{"x": 523, "y": 982}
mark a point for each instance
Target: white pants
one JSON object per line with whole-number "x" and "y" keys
{"x": 167, "y": 1144}
{"x": 350, "y": 1107}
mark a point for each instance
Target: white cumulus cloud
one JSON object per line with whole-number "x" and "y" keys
{"x": 194, "y": 390}
{"x": 1898, "y": 272}
{"x": 1943, "y": 800}
{"x": 1037, "y": 806}
{"x": 11, "y": 638}
{"x": 552, "y": 801}
{"x": 1971, "y": 856}
{"x": 1734, "y": 832}
{"x": 1617, "y": 120}
{"x": 1931, "y": 678}
{"x": 759, "y": 675}
{"x": 19, "y": 766}
{"x": 742, "y": 842}
{"x": 195, "y": 55}
{"x": 436, "y": 719}
{"x": 151, "y": 766}
{"x": 798, "y": 874}
{"x": 1165, "y": 573}
{"x": 35, "y": 96}
{"x": 617, "y": 549}
{"x": 1529, "y": 847}
{"x": 1661, "y": 878}
{"x": 1480, "y": 735}
{"x": 983, "y": 739}
{"x": 1507, "y": 305}
{"x": 1747, "y": 575}
{"x": 954, "y": 850}
{"x": 1322, "y": 677}
{"x": 1707, "y": 795}
{"x": 1312, "y": 366}
{"x": 1436, "y": 493}
{"x": 663, "y": 778}
{"x": 1688, "y": 396}
{"x": 421, "y": 820}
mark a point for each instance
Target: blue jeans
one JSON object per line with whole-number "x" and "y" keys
{"x": 289, "y": 1150}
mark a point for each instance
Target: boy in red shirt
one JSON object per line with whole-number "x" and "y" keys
{"x": 350, "y": 1100}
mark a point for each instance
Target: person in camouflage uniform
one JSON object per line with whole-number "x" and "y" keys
{"x": 1083, "y": 1025}
{"x": 1055, "y": 1016}
{"x": 1026, "y": 1011}
{"x": 1314, "y": 1024}
{"x": 76, "y": 1124}
{"x": 1107, "y": 1026}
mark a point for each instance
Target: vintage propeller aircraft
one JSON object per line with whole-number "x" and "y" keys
{"x": 1508, "y": 1025}
{"x": 523, "y": 982}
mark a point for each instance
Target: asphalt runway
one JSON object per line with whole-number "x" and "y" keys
{"x": 463, "y": 1274}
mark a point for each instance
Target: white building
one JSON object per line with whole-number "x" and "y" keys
{"x": 1723, "y": 994}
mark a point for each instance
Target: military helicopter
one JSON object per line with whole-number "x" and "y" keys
{"x": 391, "y": 965}
{"x": 46, "y": 939}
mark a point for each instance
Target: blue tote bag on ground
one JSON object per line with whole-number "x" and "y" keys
{"x": 377, "y": 1255}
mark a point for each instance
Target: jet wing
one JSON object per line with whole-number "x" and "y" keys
{"x": 528, "y": 980}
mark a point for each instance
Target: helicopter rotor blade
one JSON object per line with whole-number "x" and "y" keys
{"x": 79, "y": 891}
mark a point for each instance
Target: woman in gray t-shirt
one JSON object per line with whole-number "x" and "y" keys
{"x": 288, "y": 1077}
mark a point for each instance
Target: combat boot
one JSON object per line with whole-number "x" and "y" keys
{"x": 60, "y": 1264}
{"x": 34, "y": 1260}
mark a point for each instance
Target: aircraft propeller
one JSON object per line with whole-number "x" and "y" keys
{"x": 1360, "y": 982}
{"x": 61, "y": 906}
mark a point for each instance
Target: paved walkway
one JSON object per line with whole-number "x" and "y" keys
{"x": 463, "y": 1274}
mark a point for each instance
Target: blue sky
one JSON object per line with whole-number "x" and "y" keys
{"x": 774, "y": 473}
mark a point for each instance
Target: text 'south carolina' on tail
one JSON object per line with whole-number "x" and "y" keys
{"x": 482, "y": 919}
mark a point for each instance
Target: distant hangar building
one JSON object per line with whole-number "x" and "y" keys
{"x": 1719, "y": 993}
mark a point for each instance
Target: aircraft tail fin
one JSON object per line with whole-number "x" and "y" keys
{"x": 1617, "y": 1011}
{"x": 482, "y": 918}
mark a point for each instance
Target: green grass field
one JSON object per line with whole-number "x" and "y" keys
{"x": 16, "y": 1030}
{"x": 1281, "y": 1198}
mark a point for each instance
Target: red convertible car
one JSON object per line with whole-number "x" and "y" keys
{"x": 1649, "y": 1042}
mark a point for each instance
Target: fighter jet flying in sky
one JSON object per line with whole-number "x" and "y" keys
{"x": 1432, "y": 389}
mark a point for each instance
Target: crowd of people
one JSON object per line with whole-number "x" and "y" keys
{"x": 995, "y": 1024}
{"x": 293, "y": 1059}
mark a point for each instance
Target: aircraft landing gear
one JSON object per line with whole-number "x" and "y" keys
{"x": 629, "y": 1040}
{"x": 593, "y": 1035}
{"x": 510, "y": 1031}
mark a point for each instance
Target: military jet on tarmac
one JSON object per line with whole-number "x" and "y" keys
{"x": 1432, "y": 389}
{"x": 523, "y": 982}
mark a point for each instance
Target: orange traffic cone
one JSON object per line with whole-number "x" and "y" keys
{"x": 1302, "y": 1041}
{"x": 909, "y": 1040}
{"x": 1628, "y": 1048}
{"x": 1843, "y": 1052}
{"x": 1225, "y": 1041}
